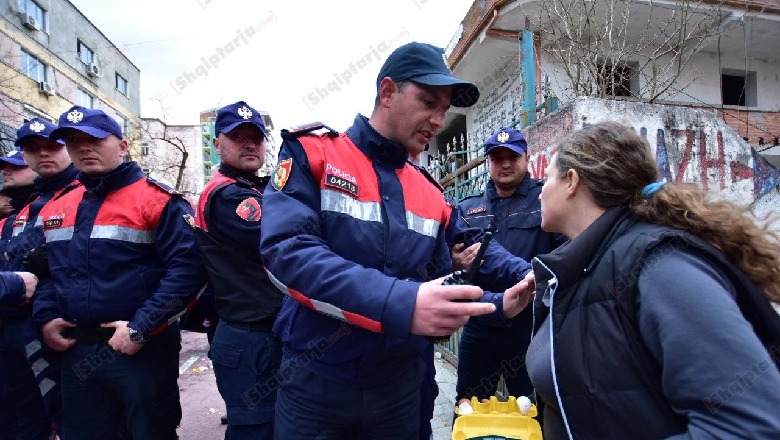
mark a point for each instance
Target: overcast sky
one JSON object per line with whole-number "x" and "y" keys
{"x": 301, "y": 61}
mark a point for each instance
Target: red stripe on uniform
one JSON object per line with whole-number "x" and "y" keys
{"x": 301, "y": 298}
{"x": 362, "y": 321}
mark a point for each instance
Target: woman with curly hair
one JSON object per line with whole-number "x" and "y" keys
{"x": 643, "y": 319}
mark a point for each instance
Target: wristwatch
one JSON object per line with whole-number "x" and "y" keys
{"x": 136, "y": 336}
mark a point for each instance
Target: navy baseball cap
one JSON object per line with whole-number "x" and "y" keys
{"x": 93, "y": 122}
{"x": 15, "y": 159}
{"x": 509, "y": 138}
{"x": 34, "y": 127}
{"x": 426, "y": 64}
{"x": 233, "y": 115}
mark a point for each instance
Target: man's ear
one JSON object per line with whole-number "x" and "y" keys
{"x": 386, "y": 89}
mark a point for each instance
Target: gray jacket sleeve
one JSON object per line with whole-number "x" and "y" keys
{"x": 715, "y": 371}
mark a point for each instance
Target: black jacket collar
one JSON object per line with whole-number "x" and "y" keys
{"x": 374, "y": 145}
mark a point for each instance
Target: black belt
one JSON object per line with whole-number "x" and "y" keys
{"x": 89, "y": 335}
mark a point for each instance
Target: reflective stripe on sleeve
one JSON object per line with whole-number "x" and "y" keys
{"x": 422, "y": 225}
{"x": 328, "y": 309}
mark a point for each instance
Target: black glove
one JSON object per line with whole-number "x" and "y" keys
{"x": 36, "y": 261}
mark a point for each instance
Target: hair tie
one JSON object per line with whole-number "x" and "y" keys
{"x": 651, "y": 189}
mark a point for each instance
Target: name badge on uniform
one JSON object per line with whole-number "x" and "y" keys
{"x": 52, "y": 223}
{"x": 341, "y": 183}
{"x": 477, "y": 210}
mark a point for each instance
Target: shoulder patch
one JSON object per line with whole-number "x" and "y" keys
{"x": 294, "y": 132}
{"x": 249, "y": 210}
{"x": 281, "y": 174}
{"x": 163, "y": 187}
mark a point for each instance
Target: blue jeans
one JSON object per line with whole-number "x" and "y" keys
{"x": 21, "y": 396}
{"x": 310, "y": 406}
{"x": 104, "y": 391}
{"x": 245, "y": 362}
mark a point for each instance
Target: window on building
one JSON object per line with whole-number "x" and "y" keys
{"x": 738, "y": 88}
{"x": 620, "y": 79}
{"x": 121, "y": 84}
{"x": 145, "y": 149}
{"x": 33, "y": 67}
{"x": 85, "y": 99}
{"x": 122, "y": 121}
{"x": 86, "y": 55}
{"x": 29, "y": 7}
{"x": 7, "y": 139}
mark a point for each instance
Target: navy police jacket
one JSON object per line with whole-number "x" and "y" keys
{"x": 517, "y": 218}
{"x": 355, "y": 228}
{"x": 120, "y": 248}
{"x": 27, "y": 234}
{"x": 228, "y": 219}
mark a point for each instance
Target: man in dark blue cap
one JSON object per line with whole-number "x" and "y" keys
{"x": 17, "y": 182}
{"x": 509, "y": 205}
{"x": 24, "y": 251}
{"x": 245, "y": 352}
{"x": 357, "y": 237}
{"x": 124, "y": 264}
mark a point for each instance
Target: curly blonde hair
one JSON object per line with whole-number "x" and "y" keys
{"x": 615, "y": 164}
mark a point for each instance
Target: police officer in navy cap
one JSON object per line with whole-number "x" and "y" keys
{"x": 358, "y": 237}
{"x": 124, "y": 264}
{"x": 24, "y": 251}
{"x": 509, "y": 205}
{"x": 245, "y": 352}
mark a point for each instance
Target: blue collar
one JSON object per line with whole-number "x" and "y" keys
{"x": 46, "y": 185}
{"x": 120, "y": 177}
{"x": 374, "y": 145}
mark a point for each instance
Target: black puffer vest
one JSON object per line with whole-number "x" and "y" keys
{"x": 602, "y": 368}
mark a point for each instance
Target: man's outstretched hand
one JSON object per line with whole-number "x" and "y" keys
{"x": 437, "y": 312}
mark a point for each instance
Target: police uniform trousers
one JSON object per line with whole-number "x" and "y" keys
{"x": 105, "y": 392}
{"x": 25, "y": 408}
{"x": 310, "y": 406}
{"x": 245, "y": 362}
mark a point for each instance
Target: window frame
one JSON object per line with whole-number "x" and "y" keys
{"x": 86, "y": 49}
{"x": 24, "y": 61}
{"x": 41, "y": 14}
{"x": 82, "y": 93}
{"x": 117, "y": 82}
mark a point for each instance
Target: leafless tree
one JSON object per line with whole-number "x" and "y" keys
{"x": 165, "y": 154}
{"x": 633, "y": 48}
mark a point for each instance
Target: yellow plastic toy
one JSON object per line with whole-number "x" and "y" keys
{"x": 494, "y": 420}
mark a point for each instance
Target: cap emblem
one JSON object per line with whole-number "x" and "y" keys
{"x": 37, "y": 127}
{"x": 446, "y": 64}
{"x": 503, "y": 137}
{"x": 75, "y": 116}
{"x": 244, "y": 112}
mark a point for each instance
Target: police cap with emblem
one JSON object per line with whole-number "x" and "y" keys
{"x": 231, "y": 116}
{"x": 93, "y": 122}
{"x": 426, "y": 64}
{"x": 508, "y": 138}
{"x": 35, "y": 127}
{"x": 15, "y": 159}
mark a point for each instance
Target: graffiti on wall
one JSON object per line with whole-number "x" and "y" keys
{"x": 698, "y": 156}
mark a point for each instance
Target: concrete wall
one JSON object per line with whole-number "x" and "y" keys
{"x": 691, "y": 146}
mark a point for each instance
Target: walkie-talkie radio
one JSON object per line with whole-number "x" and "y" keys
{"x": 467, "y": 277}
